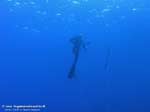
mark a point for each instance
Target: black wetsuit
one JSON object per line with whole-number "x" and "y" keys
{"x": 77, "y": 44}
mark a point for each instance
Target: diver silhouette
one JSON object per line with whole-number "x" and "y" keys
{"x": 77, "y": 43}
{"x": 107, "y": 60}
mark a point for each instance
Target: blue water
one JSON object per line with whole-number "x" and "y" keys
{"x": 36, "y": 55}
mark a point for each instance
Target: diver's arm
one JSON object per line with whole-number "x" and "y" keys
{"x": 85, "y": 45}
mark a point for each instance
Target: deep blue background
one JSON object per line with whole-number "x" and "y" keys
{"x": 35, "y": 55}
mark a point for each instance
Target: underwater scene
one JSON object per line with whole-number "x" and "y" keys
{"x": 74, "y": 56}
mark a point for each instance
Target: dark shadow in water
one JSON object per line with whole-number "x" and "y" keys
{"x": 107, "y": 59}
{"x": 77, "y": 43}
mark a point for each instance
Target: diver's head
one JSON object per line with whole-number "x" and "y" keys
{"x": 78, "y": 39}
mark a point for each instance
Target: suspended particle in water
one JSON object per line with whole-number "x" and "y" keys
{"x": 76, "y": 2}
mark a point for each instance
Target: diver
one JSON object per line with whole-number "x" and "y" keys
{"x": 106, "y": 65}
{"x": 78, "y": 43}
